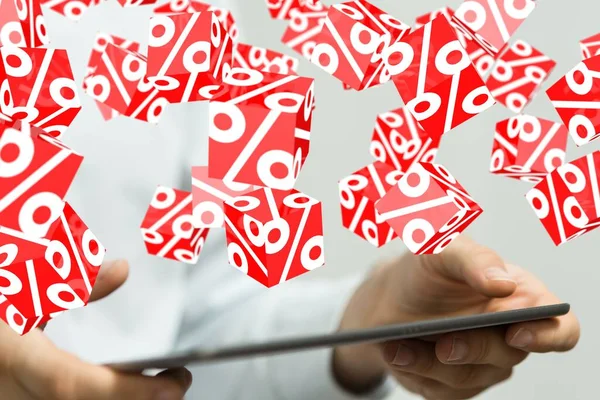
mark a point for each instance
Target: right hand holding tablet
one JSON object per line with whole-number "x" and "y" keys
{"x": 31, "y": 367}
{"x": 464, "y": 279}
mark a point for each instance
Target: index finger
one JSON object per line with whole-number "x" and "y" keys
{"x": 477, "y": 266}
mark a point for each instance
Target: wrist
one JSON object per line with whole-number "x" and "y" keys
{"x": 359, "y": 368}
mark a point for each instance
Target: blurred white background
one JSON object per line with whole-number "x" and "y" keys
{"x": 342, "y": 130}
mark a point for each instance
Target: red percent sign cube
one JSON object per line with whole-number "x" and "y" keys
{"x": 61, "y": 279}
{"x": 576, "y": 97}
{"x": 518, "y": 75}
{"x": 208, "y": 196}
{"x": 274, "y": 235}
{"x": 136, "y": 3}
{"x": 436, "y": 79}
{"x": 71, "y": 9}
{"x": 14, "y": 319}
{"x": 590, "y": 46}
{"x": 17, "y": 247}
{"x": 482, "y": 61}
{"x": 22, "y": 24}
{"x": 428, "y": 208}
{"x": 567, "y": 201}
{"x": 528, "y": 147}
{"x": 35, "y": 175}
{"x": 168, "y": 229}
{"x": 358, "y": 194}
{"x": 493, "y": 22}
{"x": 192, "y": 6}
{"x": 188, "y": 55}
{"x": 119, "y": 82}
{"x": 353, "y": 43}
{"x": 265, "y": 60}
{"x": 400, "y": 141}
{"x": 304, "y": 26}
{"x": 37, "y": 87}
{"x": 259, "y": 130}
{"x": 285, "y": 9}
{"x": 103, "y": 40}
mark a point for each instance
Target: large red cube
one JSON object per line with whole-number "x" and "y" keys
{"x": 259, "y": 131}
{"x": 567, "y": 200}
{"x": 353, "y": 43}
{"x": 428, "y": 208}
{"x": 274, "y": 235}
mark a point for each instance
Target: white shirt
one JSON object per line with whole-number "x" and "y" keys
{"x": 166, "y": 306}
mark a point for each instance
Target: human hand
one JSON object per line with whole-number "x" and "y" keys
{"x": 464, "y": 279}
{"x": 31, "y": 367}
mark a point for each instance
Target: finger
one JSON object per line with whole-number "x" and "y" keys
{"x": 181, "y": 375}
{"x": 477, "y": 266}
{"x": 112, "y": 275}
{"x": 419, "y": 358}
{"x": 556, "y": 334}
{"x": 480, "y": 346}
{"x": 106, "y": 384}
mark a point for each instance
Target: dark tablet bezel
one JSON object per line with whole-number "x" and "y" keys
{"x": 379, "y": 334}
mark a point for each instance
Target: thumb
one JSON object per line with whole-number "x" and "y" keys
{"x": 112, "y": 275}
{"x": 477, "y": 266}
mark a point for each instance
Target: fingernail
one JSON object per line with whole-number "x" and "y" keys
{"x": 521, "y": 339}
{"x": 403, "y": 357}
{"x": 168, "y": 394}
{"x": 498, "y": 274}
{"x": 459, "y": 350}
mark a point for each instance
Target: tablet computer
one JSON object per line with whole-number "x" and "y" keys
{"x": 380, "y": 334}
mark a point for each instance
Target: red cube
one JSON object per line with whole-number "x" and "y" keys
{"x": 71, "y": 9}
{"x": 37, "y": 87}
{"x": 590, "y": 46}
{"x": 304, "y": 26}
{"x": 493, "y": 22}
{"x": 400, "y": 141}
{"x": 100, "y": 44}
{"x": 259, "y": 131}
{"x": 518, "y": 75}
{"x": 208, "y": 196}
{"x": 265, "y": 60}
{"x": 61, "y": 279}
{"x": 168, "y": 229}
{"x": 353, "y": 43}
{"x": 528, "y": 148}
{"x": 119, "y": 82}
{"x": 428, "y": 208}
{"x": 576, "y": 97}
{"x": 482, "y": 60}
{"x": 436, "y": 79}
{"x": 36, "y": 172}
{"x": 274, "y": 235}
{"x": 188, "y": 54}
{"x": 192, "y": 6}
{"x": 358, "y": 194}
{"x": 567, "y": 200}
{"x": 22, "y": 24}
